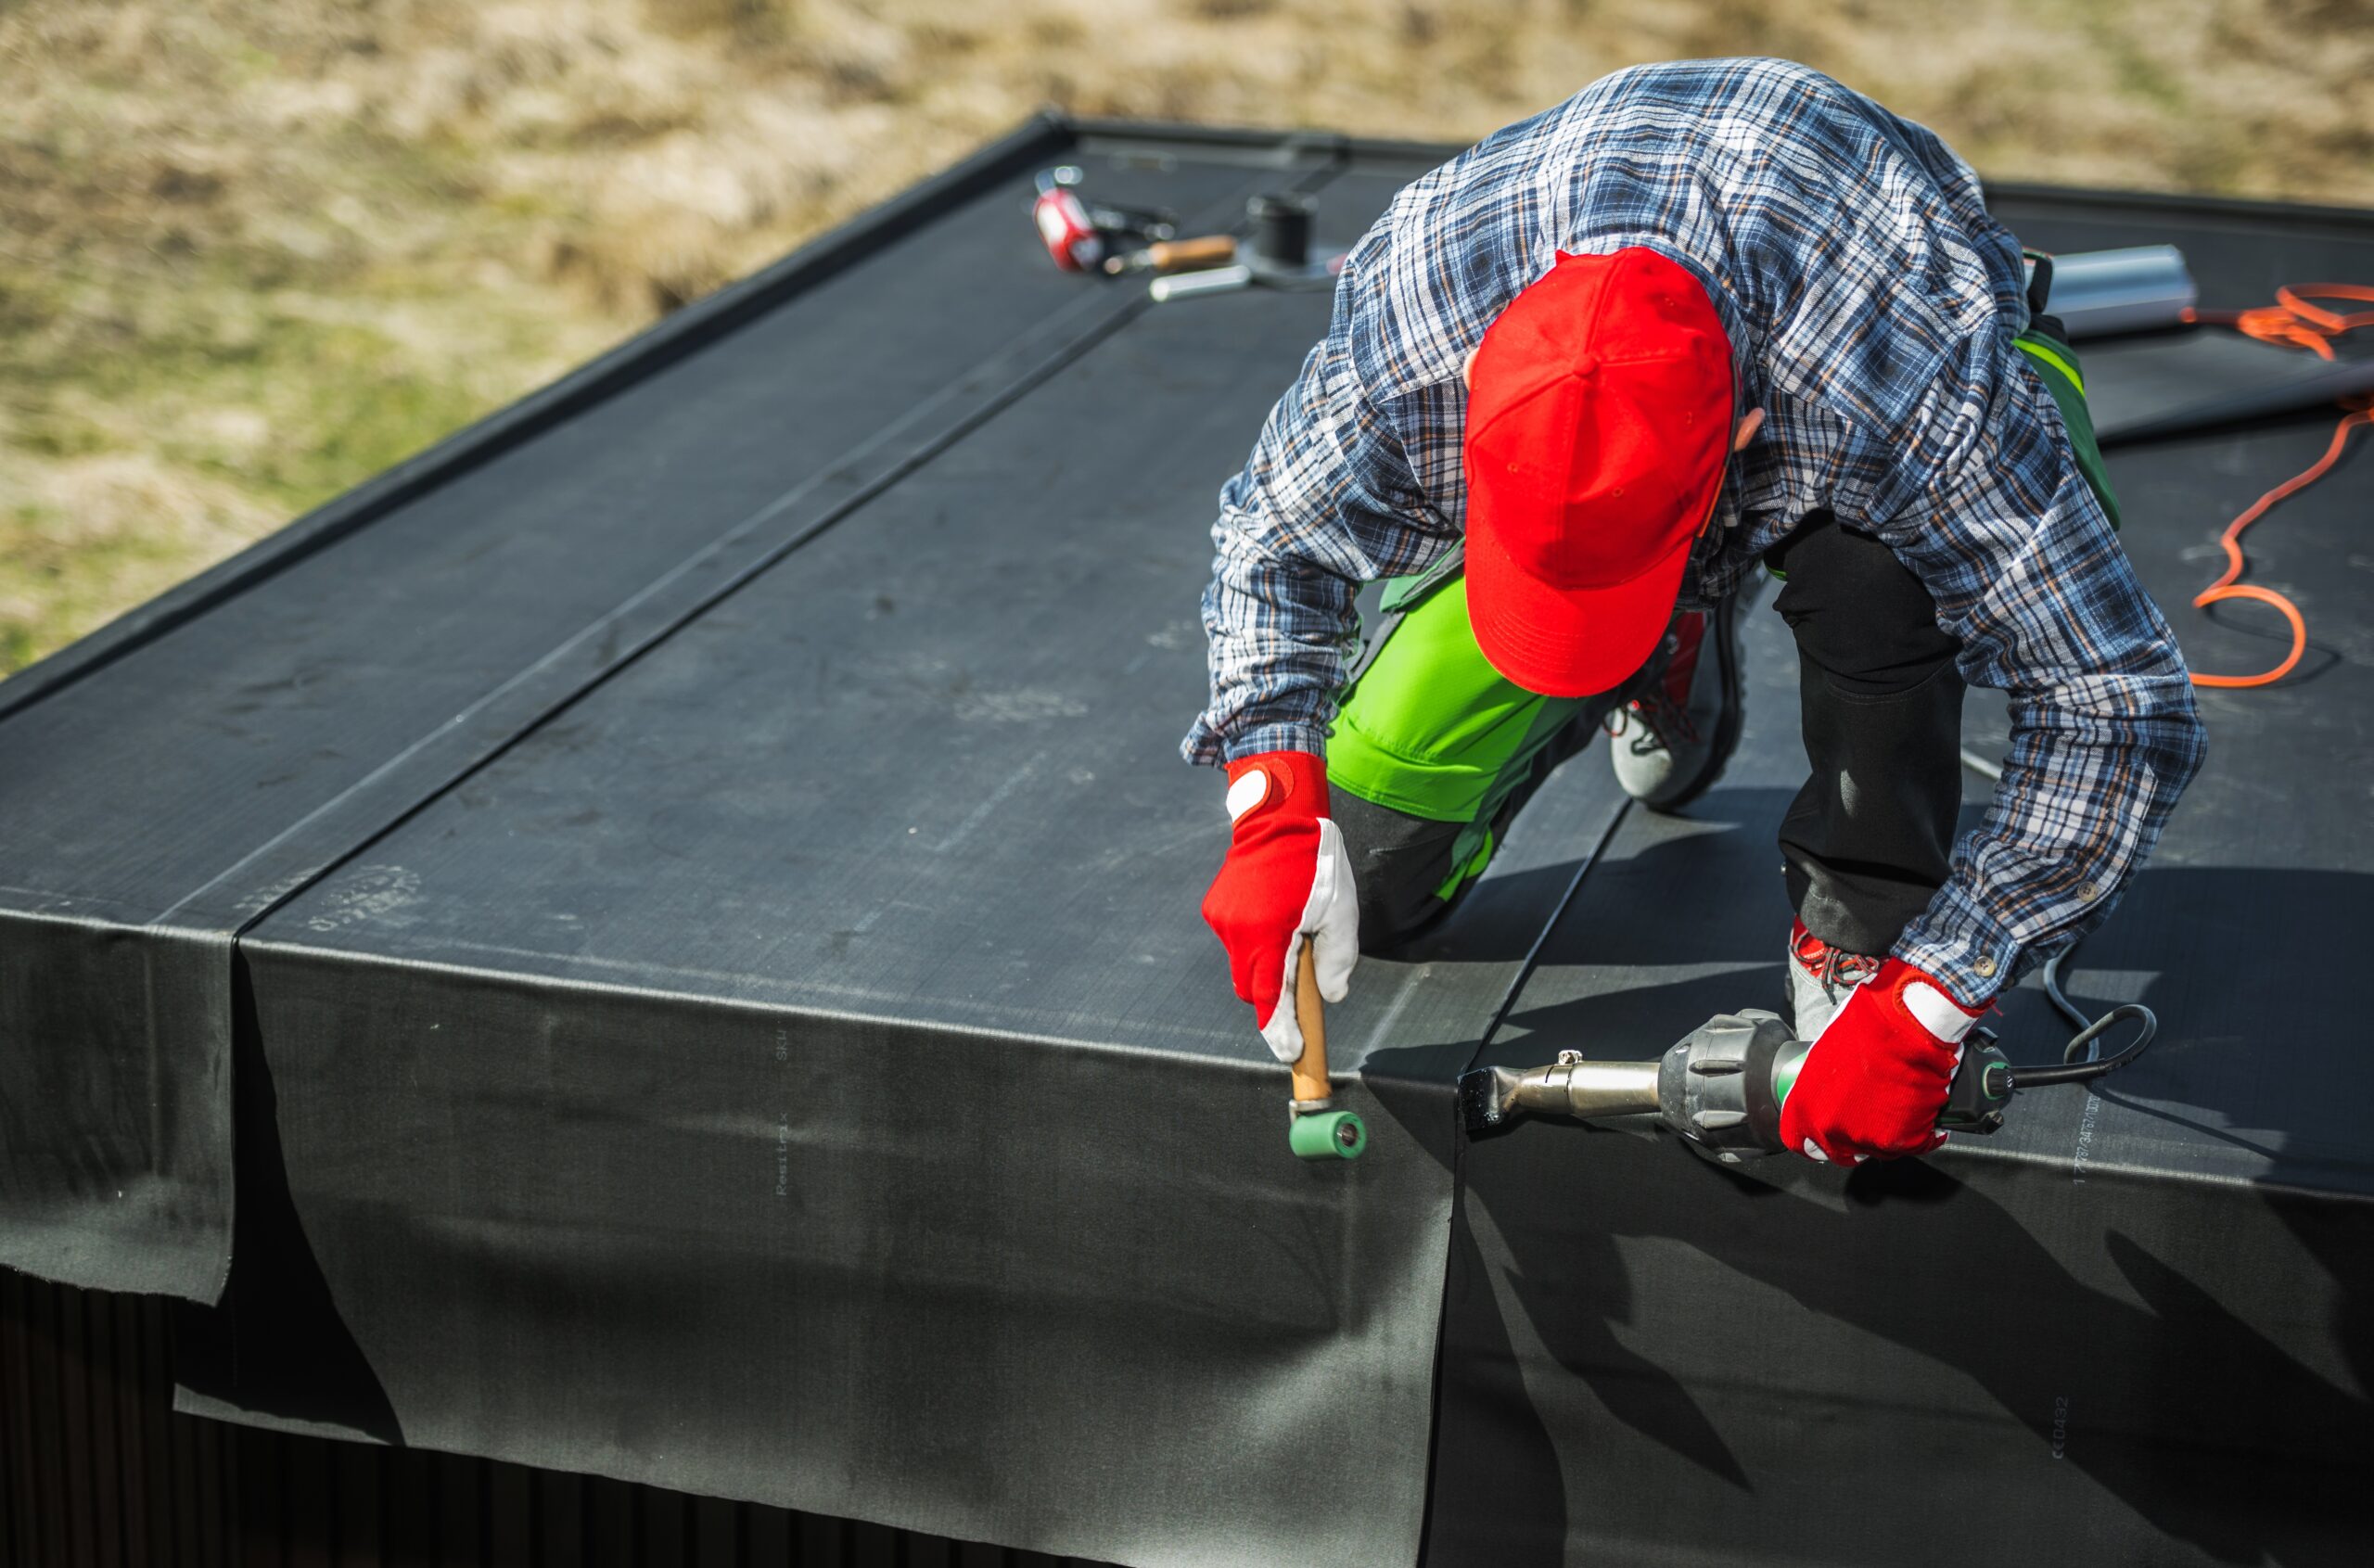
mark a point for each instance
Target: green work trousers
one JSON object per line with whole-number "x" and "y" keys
{"x": 1432, "y": 753}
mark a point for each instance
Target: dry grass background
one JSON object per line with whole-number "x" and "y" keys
{"x": 254, "y": 250}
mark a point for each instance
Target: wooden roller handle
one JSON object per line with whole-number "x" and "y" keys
{"x": 1310, "y": 1069}
{"x": 1191, "y": 255}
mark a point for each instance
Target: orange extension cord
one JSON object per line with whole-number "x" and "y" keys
{"x": 2292, "y": 319}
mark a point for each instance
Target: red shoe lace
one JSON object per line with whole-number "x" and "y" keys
{"x": 1664, "y": 711}
{"x": 1828, "y": 964}
{"x": 1688, "y": 635}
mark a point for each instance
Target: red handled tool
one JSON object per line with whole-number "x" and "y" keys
{"x": 1081, "y": 235}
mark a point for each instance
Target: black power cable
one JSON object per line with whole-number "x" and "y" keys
{"x": 2081, "y": 1059}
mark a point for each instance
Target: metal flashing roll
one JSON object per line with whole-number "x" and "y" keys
{"x": 2097, "y": 293}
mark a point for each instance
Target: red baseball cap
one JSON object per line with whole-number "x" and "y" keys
{"x": 1598, "y": 419}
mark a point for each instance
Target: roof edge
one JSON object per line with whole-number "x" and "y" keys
{"x": 1436, "y": 151}
{"x": 666, "y": 340}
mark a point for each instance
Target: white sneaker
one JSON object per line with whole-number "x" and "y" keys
{"x": 1670, "y": 742}
{"x": 1819, "y": 978}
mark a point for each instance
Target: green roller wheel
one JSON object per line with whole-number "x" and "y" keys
{"x": 1330, "y": 1135}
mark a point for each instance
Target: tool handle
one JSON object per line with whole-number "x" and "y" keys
{"x": 1982, "y": 1087}
{"x": 1311, "y": 1091}
{"x": 1974, "y": 1102}
{"x": 1213, "y": 280}
{"x": 1188, "y": 255}
{"x": 1317, "y": 1130}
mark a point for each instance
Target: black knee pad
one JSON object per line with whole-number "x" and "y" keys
{"x": 1397, "y": 861}
{"x": 1860, "y": 613}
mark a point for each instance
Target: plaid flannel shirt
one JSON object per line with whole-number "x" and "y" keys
{"x": 1871, "y": 304}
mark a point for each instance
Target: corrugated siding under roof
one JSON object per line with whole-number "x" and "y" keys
{"x": 97, "y": 1471}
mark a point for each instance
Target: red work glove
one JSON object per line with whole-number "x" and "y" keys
{"x": 1873, "y": 1084}
{"x": 1286, "y": 874}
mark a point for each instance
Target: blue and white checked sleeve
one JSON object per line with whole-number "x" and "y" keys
{"x": 1325, "y": 503}
{"x": 2021, "y": 559}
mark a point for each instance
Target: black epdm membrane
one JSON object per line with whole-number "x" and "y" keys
{"x": 675, "y": 915}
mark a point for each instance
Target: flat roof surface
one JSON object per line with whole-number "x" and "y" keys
{"x": 666, "y": 931}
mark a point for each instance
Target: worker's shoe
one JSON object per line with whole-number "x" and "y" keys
{"x": 1670, "y": 742}
{"x": 1820, "y": 978}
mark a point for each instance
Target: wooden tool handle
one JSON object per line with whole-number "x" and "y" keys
{"x": 1310, "y": 1069}
{"x": 1190, "y": 255}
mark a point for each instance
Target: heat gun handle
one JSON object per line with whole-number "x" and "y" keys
{"x": 1723, "y": 1087}
{"x": 1982, "y": 1085}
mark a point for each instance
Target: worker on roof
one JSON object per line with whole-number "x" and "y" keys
{"x": 1585, "y": 383}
